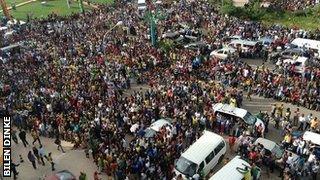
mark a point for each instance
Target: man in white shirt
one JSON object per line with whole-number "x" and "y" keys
{"x": 290, "y": 159}
{"x": 302, "y": 120}
{"x": 301, "y": 144}
{"x": 312, "y": 157}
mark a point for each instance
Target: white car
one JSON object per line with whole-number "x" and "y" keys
{"x": 275, "y": 149}
{"x": 156, "y": 126}
{"x": 243, "y": 114}
{"x": 299, "y": 63}
{"x": 223, "y": 53}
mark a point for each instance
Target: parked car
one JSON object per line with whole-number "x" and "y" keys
{"x": 275, "y": 149}
{"x": 266, "y": 41}
{"x": 61, "y": 175}
{"x": 300, "y": 63}
{"x": 245, "y": 45}
{"x": 243, "y": 114}
{"x": 291, "y": 53}
{"x": 224, "y": 53}
{"x": 196, "y": 45}
{"x": 155, "y": 127}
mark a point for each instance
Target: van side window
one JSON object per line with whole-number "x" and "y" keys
{"x": 219, "y": 147}
{"x": 209, "y": 157}
{"x": 201, "y": 166}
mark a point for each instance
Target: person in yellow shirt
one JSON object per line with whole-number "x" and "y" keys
{"x": 287, "y": 140}
{"x": 314, "y": 123}
{"x": 233, "y": 102}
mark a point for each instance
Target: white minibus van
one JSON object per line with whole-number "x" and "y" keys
{"x": 202, "y": 156}
{"x": 246, "y": 116}
{"x": 230, "y": 172}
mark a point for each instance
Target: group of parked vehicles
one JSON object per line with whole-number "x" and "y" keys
{"x": 300, "y": 53}
{"x": 205, "y": 153}
{"x": 209, "y": 150}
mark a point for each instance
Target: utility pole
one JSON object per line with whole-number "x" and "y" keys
{"x": 5, "y": 9}
{"x": 81, "y": 6}
{"x": 153, "y": 16}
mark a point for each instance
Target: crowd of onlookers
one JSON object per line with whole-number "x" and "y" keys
{"x": 71, "y": 83}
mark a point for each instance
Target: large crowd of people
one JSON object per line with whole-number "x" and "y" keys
{"x": 70, "y": 81}
{"x": 292, "y": 5}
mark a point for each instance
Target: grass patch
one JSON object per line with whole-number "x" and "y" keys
{"x": 37, "y": 10}
{"x": 290, "y": 19}
{"x": 308, "y": 19}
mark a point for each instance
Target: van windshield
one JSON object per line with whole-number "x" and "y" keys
{"x": 186, "y": 167}
{"x": 249, "y": 118}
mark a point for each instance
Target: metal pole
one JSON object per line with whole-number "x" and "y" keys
{"x": 68, "y": 3}
{"x": 81, "y": 6}
{"x": 5, "y": 9}
{"x": 153, "y": 31}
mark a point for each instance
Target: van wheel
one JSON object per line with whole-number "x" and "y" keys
{"x": 221, "y": 158}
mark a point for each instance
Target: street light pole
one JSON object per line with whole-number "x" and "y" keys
{"x": 153, "y": 31}
{"x": 5, "y": 9}
{"x": 119, "y": 23}
{"x": 81, "y": 6}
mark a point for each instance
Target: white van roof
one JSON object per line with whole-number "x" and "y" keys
{"x": 311, "y": 136}
{"x": 199, "y": 150}
{"x": 157, "y": 125}
{"x": 226, "y": 108}
{"x": 308, "y": 43}
{"x": 141, "y": 1}
{"x": 268, "y": 144}
{"x": 229, "y": 172}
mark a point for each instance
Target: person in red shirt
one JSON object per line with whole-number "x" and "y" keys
{"x": 232, "y": 140}
{"x": 252, "y": 155}
{"x": 96, "y": 176}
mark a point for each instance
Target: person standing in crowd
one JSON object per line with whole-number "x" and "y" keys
{"x": 42, "y": 154}
{"x": 232, "y": 140}
{"x": 301, "y": 144}
{"x": 314, "y": 124}
{"x": 35, "y": 136}
{"x": 296, "y": 117}
{"x": 315, "y": 169}
{"x": 96, "y": 176}
{"x": 32, "y": 159}
{"x": 58, "y": 143}
{"x": 14, "y": 170}
{"x": 36, "y": 153}
{"x": 288, "y": 115}
{"x": 302, "y": 121}
{"x": 308, "y": 121}
{"x": 83, "y": 176}
{"x": 14, "y": 136}
{"x": 51, "y": 161}
{"x": 22, "y": 136}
